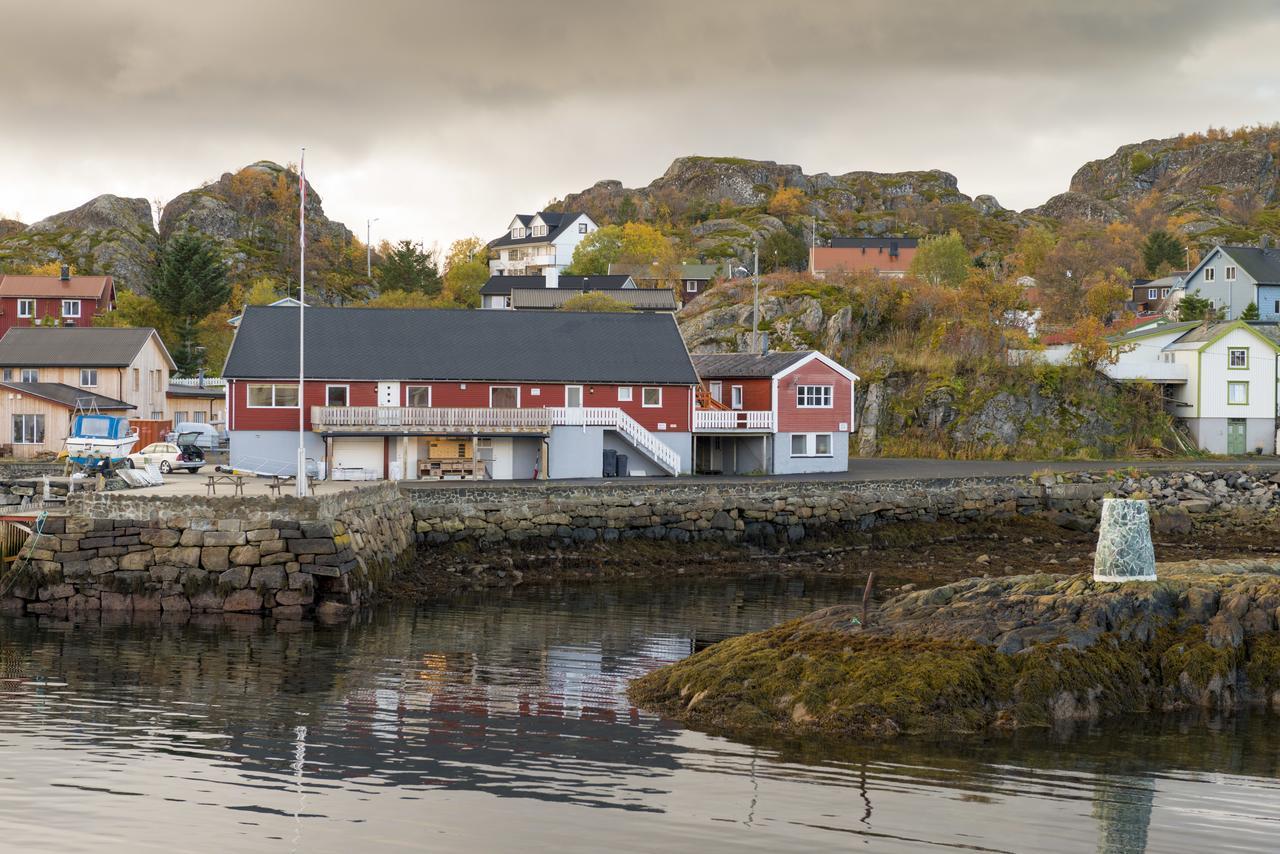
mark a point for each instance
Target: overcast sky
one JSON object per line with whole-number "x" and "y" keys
{"x": 445, "y": 118}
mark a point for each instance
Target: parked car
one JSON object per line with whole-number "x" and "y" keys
{"x": 182, "y": 455}
{"x": 207, "y": 436}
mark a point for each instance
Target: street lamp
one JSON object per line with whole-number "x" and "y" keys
{"x": 368, "y": 247}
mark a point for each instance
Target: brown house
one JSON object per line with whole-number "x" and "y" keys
{"x": 884, "y": 256}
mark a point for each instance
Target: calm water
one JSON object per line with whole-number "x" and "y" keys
{"x": 498, "y": 723}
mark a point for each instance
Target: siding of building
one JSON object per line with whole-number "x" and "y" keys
{"x": 795, "y": 419}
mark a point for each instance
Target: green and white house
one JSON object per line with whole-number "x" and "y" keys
{"x": 1219, "y": 379}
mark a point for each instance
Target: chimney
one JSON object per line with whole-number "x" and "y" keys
{"x": 552, "y": 276}
{"x": 66, "y": 272}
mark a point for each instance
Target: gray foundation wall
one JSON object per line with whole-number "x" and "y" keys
{"x": 1211, "y": 434}
{"x": 784, "y": 463}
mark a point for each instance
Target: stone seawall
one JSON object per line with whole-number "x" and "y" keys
{"x": 770, "y": 513}
{"x": 288, "y": 557}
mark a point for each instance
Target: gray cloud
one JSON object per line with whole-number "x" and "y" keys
{"x": 447, "y": 116}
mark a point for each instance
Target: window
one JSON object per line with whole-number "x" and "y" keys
{"x": 517, "y": 233}
{"x": 735, "y": 397}
{"x": 1152, "y": 293}
{"x": 155, "y": 380}
{"x": 26, "y": 308}
{"x": 137, "y": 379}
{"x": 337, "y": 395}
{"x": 504, "y": 397}
{"x": 573, "y": 396}
{"x": 1277, "y": 309}
{"x": 1237, "y": 393}
{"x": 651, "y": 397}
{"x": 716, "y": 391}
{"x": 1209, "y": 274}
{"x": 71, "y": 308}
{"x": 28, "y": 429}
{"x": 813, "y": 396}
{"x": 197, "y": 417}
{"x": 691, "y": 286}
{"x": 8, "y": 373}
{"x": 1237, "y": 358}
{"x": 418, "y": 395}
{"x": 517, "y": 254}
{"x": 181, "y": 417}
{"x": 1229, "y": 273}
{"x": 539, "y": 231}
{"x": 88, "y": 377}
{"x": 1164, "y": 292}
{"x": 266, "y": 396}
{"x": 582, "y": 228}
{"x": 157, "y": 415}
{"x": 30, "y": 375}
{"x": 810, "y": 444}
{"x": 624, "y": 394}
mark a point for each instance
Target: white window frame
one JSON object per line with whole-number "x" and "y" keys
{"x": 26, "y": 308}
{"x": 197, "y": 417}
{"x": 346, "y": 395}
{"x": 715, "y": 388}
{"x": 493, "y": 387}
{"x": 1209, "y": 274}
{"x": 71, "y": 308}
{"x": 644, "y": 397}
{"x": 20, "y": 433}
{"x": 825, "y": 393}
{"x": 1229, "y": 273}
{"x": 517, "y": 234}
{"x": 811, "y": 446}
{"x": 1153, "y": 293}
{"x": 691, "y": 286}
{"x": 625, "y": 394}
{"x": 408, "y": 391}
{"x": 248, "y": 396}
{"x": 736, "y": 397}
{"x": 539, "y": 231}
{"x": 88, "y": 377}
{"x": 30, "y": 375}
{"x": 582, "y": 400}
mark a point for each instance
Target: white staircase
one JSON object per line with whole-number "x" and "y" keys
{"x": 631, "y": 430}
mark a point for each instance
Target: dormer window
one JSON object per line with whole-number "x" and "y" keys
{"x": 539, "y": 231}
{"x": 517, "y": 233}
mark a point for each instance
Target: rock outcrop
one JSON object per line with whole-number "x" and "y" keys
{"x": 989, "y": 654}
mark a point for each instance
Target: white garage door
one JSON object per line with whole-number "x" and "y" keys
{"x": 357, "y": 459}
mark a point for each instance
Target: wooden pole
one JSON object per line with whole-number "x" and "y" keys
{"x": 866, "y": 595}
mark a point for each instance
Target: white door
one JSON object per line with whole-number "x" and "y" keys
{"x": 358, "y": 458}
{"x": 388, "y": 394}
{"x": 717, "y": 392}
{"x": 736, "y": 396}
{"x": 573, "y": 397}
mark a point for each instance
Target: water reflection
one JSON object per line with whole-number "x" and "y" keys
{"x": 498, "y": 721}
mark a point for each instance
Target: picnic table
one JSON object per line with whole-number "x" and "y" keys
{"x": 279, "y": 480}
{"x": 235, "y": 480}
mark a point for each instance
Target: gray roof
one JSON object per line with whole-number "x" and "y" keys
{"x": 1262, "y": 265}
{"x": 209, "y": 392}
{"x": 506, "y": 284}
{"x": 73, "y": 347}
{"x": 462, "y": 345}
{"x": 67, "y": 395}
{"x": 745, "y": 364}
{"x": 556, "y": 224}
{"x": 873, "y": 242}
{"x": 641, "y": 299}
{"x": 701, "y": 272}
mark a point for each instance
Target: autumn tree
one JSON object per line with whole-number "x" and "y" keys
{"x": 1084, "y": 248}
{"x": 262, "y": 291}
{"x": 1161, "y": 251}
{"x": 466, "y": 269}
{"x": 401, "y": 299}
{"x": 189, "y": 284}
{"x": 593, "y": 301}
{"x": 633, "y": 243}
{"x": 1033, "y": 247}
{"x": 942, "y": 260}
{"x": 406, "y": 267}
{"x": 1105, "y": 293}
{"x": 1092, "y": 348}
{"x": 787, "y": 202}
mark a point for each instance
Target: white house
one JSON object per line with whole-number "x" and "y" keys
{"x": 536, "y": 242}
{"x": 1219, "y": 379}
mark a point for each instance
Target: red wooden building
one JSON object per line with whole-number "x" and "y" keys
{"x": 63, "y": 300}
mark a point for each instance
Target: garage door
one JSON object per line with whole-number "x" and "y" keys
{"x": 357, "y": 459}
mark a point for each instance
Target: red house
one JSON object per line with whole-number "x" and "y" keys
{"x": 65, "y": 300}
{"x": 777, "y": 413}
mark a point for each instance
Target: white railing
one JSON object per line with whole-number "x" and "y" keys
{"x": 709, "y": 420}
{"x": 194, "y": 382}
{"x": 414, "y": 417}
{"x": 429, "y": 417}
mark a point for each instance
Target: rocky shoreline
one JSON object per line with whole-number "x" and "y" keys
{"x": 985, "y": 655}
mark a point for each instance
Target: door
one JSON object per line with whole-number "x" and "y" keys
{"x": 1236, "y": 437}
{"x": 388, "y": 394}
{"x": 573, "y": 397}
{"x": 717, "y": 391}
{"x": 504, "y": 397}
{"x": 736, "y": 397}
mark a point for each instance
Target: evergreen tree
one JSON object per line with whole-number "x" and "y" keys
{"x": 190, "y": 284}
{"x": 782, "y": 250}
{"x": 1194, "y": 307}
{"x": 405, "y": 267}
{"x": 1250, "y": 312}
{"x": 1161, "y": 248}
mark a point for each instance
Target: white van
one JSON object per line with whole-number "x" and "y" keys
{"x": 207, "y": 436}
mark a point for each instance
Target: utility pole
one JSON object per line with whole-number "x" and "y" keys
{"x": 300, "y": 478}
{"x": 755, "y": 311}
{"x": 368, "y": 247}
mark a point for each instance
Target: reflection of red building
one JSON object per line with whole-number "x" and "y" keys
{"x": 885, "y": 256}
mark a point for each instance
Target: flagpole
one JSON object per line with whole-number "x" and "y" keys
{"x": 301, "y": 478}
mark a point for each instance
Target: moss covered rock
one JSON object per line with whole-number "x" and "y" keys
{"x": 988, "y": 654}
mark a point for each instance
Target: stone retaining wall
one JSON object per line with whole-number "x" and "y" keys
{"x": 289, "y": 557}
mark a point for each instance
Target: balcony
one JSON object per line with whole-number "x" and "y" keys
{"x": 422, "y": 419}
{"x": 497, "y": 265}
{"x": 732, "y": 421}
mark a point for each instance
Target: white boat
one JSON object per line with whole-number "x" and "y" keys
{"x": 97, "y": 438}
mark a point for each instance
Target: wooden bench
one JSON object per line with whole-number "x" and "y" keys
{"x": 236, "y": 481}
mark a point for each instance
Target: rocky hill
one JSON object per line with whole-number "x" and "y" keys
{"x": 251, "y": 212}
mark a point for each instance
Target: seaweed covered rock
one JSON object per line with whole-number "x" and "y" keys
{"x": 999, "y": 653}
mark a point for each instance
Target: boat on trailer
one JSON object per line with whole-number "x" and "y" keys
{"x": 100, "y": 441}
